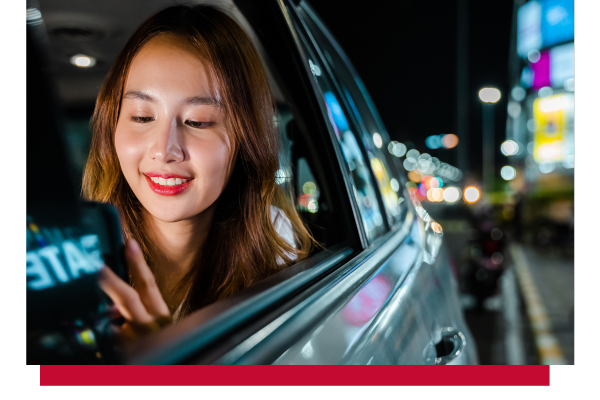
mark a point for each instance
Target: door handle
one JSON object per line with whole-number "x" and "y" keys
{"x": 450, "y": 346}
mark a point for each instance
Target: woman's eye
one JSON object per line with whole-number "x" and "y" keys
{"x": 142, "y": 120}
{"x": 197, "y": 124}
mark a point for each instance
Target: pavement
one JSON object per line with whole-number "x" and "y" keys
{"x": 530, "y": 320}
{"x": 547, "y": 282}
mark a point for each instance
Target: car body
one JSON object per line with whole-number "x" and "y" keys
{"x": 380, "y": 290}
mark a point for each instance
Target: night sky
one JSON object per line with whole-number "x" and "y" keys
{"x": 405, "y": 52}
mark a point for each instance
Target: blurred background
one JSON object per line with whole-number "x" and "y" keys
{"x": 479, "y": 97}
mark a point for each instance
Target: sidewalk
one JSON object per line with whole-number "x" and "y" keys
{"x": 547, "y": 283}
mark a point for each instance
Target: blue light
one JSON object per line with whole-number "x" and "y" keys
{"x": 434, "y": 142}
{"x": 336, "y": 112}
{"x": 558, "y": 21}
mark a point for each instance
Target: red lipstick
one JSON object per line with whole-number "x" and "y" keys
{"x": 167, "y": 190}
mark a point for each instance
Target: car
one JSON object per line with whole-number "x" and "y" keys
{"x": 378, "y": 290}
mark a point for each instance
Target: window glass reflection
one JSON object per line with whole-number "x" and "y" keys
{"x": 362, "y": 182}
{"x": 371, "y": 131}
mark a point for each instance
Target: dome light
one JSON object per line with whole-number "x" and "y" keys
{"x": 83, "y": 61}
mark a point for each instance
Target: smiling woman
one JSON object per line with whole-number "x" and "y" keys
{"x": 185, "y": 146}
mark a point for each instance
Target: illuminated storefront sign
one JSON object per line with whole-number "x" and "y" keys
{"x": 553, "y": 118}
{"x": 529, "y": 35}
{"x": 558, "y": 21}
{"x": 562, "y": 64}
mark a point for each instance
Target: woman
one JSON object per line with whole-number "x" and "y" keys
{"x": 184, "y": 145}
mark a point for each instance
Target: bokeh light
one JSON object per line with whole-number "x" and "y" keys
{"x": 570, "y": 85}
{"x": 451, "y": 194}
{"x": 450, "y": 140}
{"x": 309, "y": 188}
{"x": 489, "y": 95}
{"x": 435, "y": 195}
{"x": 508, "y": 173}
{"x": 534, "y": 56}
{"x": 414, "y": 176}
{"x": 471, "y": 194}
{"x": 397, "y": 149}
{"x": 377, "y": 140}
{"x": 518, "y": 93}
{"x": 83, "y": 61}
{"x": 546, "y": 167}
{"x": 413, "y": 155}
{"x": 509, "y": 148}
{"x": 394, "y": 184}
{"x": 546, "y": 91}
{"x": 569, "y": 161}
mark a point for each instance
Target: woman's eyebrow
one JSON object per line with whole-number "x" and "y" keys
{"x": 196, "y": 100}
{"x": 203, "y": 101}
{"x": 136, "y": 94}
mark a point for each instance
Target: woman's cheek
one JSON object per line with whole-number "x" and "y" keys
{"x": 129, "y": 151}
{"x": 214, "y": 163}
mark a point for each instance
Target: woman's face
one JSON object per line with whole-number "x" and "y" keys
{"x": 172, "y": 139}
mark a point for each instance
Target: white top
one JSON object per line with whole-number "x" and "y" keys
{"x": 282, "y": 226}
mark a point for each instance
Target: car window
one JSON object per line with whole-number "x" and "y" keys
{"x": 370, "y": 129}
{"x": 345, "y": 132}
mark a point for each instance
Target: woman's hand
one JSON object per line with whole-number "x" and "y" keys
{"x": 143, "y": 308}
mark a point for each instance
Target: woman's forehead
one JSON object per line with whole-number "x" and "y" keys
{"x": 170, "y": 64}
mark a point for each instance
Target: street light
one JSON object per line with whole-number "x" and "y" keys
{"x": 489, "y": 96}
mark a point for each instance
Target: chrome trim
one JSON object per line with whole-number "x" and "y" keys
{"x": 186, "y": 339}
{"x": 333, "y": 289}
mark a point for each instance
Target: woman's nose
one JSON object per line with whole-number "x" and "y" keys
{"x": 167, "y": 146}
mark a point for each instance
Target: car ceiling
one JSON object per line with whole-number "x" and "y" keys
{"x": 99, "y": 29}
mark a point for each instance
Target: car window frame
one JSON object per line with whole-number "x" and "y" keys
{"x": 349, "y": 113}
{"x": 354, "y": 93}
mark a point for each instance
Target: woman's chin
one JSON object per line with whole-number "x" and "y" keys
{"x": 168, "y": 215}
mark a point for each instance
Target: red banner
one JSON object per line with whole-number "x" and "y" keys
{"x": 294, "y": 375}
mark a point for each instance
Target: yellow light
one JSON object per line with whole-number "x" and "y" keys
{"x": 471, "y": 194}
{"x": 377, "y": 140}
{"x": 489, "y": 95}
{"x": 414, "y": 176}
{"x": 435, "y": 195}
{"x": 437, "y": 228}
{"x": 309, "y": 188}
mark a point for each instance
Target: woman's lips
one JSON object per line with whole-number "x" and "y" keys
{"x": 166, "y": 190}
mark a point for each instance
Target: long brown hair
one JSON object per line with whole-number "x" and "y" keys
{"x": 242, "y": 246}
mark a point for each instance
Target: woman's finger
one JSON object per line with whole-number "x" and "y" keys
{"x": 145, "y": 283}
{"x": 124, "y": 296}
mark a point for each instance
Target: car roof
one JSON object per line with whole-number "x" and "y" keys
{"x": 100, "y": 29}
